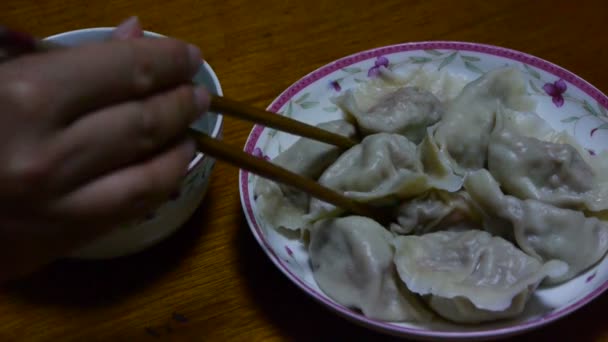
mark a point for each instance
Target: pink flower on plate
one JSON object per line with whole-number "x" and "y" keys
{"x": 556, "y": 90}
{"x": 335, "y": 85}
{"x": 257, "y": 152}
{"x": 375, "y": 70}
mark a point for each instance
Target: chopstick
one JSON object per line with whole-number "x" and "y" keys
{"x": 261, "y": 167}
{"x": 245, "y": 112}
{"x": 20, "y": 43}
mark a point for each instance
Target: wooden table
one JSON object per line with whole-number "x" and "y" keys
{"x": 211, "y": 281}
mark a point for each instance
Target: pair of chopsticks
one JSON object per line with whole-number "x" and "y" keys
{"x": 13, "y": 43}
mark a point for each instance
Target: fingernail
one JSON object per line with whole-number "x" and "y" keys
{"x": 128, "y": 29}
{"x": 201, "y": 99}
{"x": 194, "y": 54}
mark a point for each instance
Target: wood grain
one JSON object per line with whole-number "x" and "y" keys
{"x": 211, "y": 281}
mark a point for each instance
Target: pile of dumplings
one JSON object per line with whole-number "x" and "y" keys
{"x": 490, "y": 202}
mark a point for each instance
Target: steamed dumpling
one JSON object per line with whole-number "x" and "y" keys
{"x": 435, "y": 210}
{"x": 529, "y": 168}
{"x": 383, "y": 169}
{"x": 379, "y": 168}
{"x": 470, "y": 276}
{"x": 596, "y": 199}
{"x": 352, "y": 262}
{"x": 441, "y": 83}
{"x": 542, "y": 230}
{"x": 436, "y": 165}
{"x": 532, "y": 161}
{"x": 407, "y": 111}
{"x": 464, "y": 132}
{"x": 308, "y": 157}
{"x": 284, "y": 206}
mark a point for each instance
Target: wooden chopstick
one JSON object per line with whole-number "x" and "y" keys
{"x": 259, "y": 166}
{"x": 245, "y": 112}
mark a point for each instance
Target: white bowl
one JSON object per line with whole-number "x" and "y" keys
{"x": 173, "y": 214}
{"x": 583, "y": 114}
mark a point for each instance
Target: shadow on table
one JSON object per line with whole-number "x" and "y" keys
{"x": 302, "y": 319}
{"x": 94, "y": 283}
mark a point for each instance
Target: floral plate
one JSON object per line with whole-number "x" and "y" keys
{"x": 565, "y": 101}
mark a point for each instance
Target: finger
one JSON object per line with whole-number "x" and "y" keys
{"x": 128, "y": 193}
{"x": 128, "y": 29}
{"x": 72, "y": 81}
{"x": 121, "y": 135}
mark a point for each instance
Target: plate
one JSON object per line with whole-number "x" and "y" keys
{"x": 565, "y": 101}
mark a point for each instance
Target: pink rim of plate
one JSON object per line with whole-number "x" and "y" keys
{"x": 373, "y": 53}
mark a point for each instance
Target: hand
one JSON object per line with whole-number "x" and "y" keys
{"x": 92, "y": 137}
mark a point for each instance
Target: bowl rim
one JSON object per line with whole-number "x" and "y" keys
{"x": 356, "y": 57}
{"x": 217, "y": 128}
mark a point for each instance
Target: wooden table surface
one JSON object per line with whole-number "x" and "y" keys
{"x": 211, "y": 281}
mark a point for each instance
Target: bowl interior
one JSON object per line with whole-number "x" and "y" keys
{"x": 209, "y": 123}
{"x": 583, "y": 115}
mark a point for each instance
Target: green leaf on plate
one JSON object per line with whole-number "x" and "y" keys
{"x": 570, "y": 119}
{"x": 532, "y": 71}
{"x": 447, "y": 60}
{"x": 590, "y": 109}
{"x": 330, "y": 109}
{"x": 351, "y": 70}
{"x": 420, "y": 60}
{"x": 470, "y": 58}
{"x": 302, "y": 98}
{"x": 433, "y": 52}
{"x": 309, "y": 104}
{"x": 535, "y": 88}
{"x": 472, "y": 67}
{"x": 602, "y": 110}
{"x": 289, "y": 109}
{"x": 272, "y": 133}
{"x": 358, "y": 80}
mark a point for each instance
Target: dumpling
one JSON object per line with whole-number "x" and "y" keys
{"x": 529, "y": 168}
{"x": 281, "y": 206}
{"x": 532, "y": 161}
{"x": 464, "y": 132}
{"x": 470, "y": 276}
{"x": 527, "y": 124}
{"x": 441, "y": 83}
{"x": 352, "y": 262}
{"x": 436, "y": 210}
{"x": 542, "y": 230}
{"x": 407, "y": 111}
{"x": 383, "y": 169}
{"x": 309, "y": 157}
{"x": 596, "y": 199}
{"x": 284, "y": 206}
